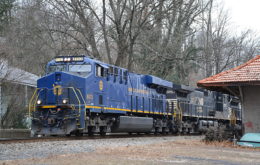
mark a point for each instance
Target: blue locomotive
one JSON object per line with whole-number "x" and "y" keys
{"x": 81, "y": 95}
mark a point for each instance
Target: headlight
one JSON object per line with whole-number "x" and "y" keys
{"x": 39, "y": 102}
{"x": 64, "y": 101}
{"x": 67, "y": 59}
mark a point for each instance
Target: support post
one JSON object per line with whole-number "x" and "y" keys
{"x": 26, "y": 95}
{"x": 241, "y": 97}
{"x": 1, "y": 106}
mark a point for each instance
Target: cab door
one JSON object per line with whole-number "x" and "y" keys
{"x": 102, "y": 83}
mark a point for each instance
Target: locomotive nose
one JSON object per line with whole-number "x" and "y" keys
{"x": 63, "y": 79}
{"x": 60, "y": 88}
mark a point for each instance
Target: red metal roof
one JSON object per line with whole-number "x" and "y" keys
{"x": 247, "y": 73}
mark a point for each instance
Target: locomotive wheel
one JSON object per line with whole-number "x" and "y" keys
{"x": 90, "y": 131}
{"x": 78, "y": 133}
{"x": 68, "y": 135}
{"x": 163, "y": 131}
{"x": 156, "y": 132}
{"x": 103, "y": 131}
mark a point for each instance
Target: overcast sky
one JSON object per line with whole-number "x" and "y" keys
{"x": 244, "y": 14}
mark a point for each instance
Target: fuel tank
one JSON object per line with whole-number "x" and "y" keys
{"x": 133, "y": 124}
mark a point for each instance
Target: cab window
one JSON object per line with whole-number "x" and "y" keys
{"x": 82, "y": 70}
{"x": 100, "y": 71}
{"x": 56, "y": 68}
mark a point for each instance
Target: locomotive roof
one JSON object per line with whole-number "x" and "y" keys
{"x": 182, "y": 88}
{"x": 85, "y": 59}
{"x": 148, "y": 79}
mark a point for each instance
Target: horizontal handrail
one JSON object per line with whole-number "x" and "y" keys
{"x": 76, "y": 92}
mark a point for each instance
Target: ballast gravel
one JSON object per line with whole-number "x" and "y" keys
{"x": 26, "y": 150}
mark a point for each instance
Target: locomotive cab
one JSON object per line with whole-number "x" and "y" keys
{"x": 59, "y": 101}
{"x": 75, "y": 66}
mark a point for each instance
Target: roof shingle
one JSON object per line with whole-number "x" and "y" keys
{"x": 246, "y": 73}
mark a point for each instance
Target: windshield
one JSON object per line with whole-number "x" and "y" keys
{"x": 82, "y": 70}
{"x": 56, "y": 68}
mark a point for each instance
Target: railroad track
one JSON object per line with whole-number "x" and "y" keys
{"x": 65, "y": 138}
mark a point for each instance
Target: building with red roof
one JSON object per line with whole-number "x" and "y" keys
{"x": 242, "y": 81}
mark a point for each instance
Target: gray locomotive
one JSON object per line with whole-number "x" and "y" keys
{"x": 199, "y": 110}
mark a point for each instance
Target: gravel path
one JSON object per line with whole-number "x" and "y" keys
{"x": 128, "y": 151}
{"x": 44, "y": 149}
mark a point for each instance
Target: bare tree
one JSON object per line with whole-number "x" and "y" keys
{"x": 221, "y": 49}
{"x": 167, "y": 38}
{"x": 129, "y": 19}
{"x": 171, "y": 39}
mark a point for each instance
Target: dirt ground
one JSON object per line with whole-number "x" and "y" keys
{"x": 175, "y": 152}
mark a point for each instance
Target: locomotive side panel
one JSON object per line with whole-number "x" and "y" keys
{"x": 88, "y": 96}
